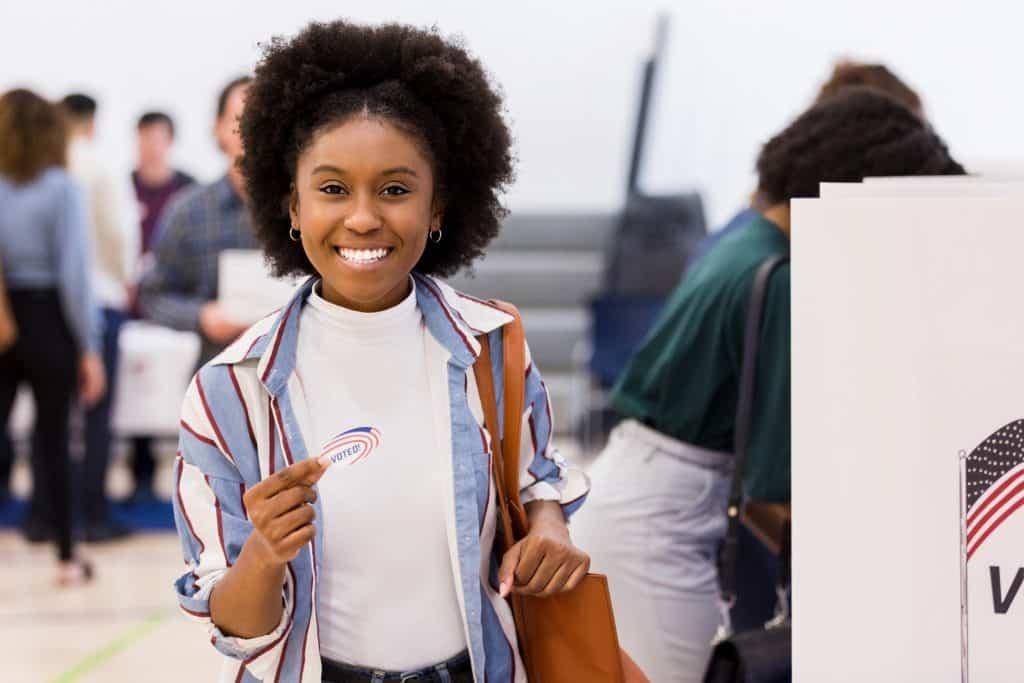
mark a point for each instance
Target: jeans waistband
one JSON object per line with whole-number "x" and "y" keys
{"x": 338, "y": 672}
{"x": 695, "y": 455}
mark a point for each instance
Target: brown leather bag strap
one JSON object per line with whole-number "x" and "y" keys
{"x": 506, "y": 447}
{"x": 485, "y": 386}
{"x": 513, "y": 351}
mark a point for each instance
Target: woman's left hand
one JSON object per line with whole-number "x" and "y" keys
{"x": 545, "y": 562}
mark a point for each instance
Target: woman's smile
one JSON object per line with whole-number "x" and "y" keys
{"x": 363, "y": 259}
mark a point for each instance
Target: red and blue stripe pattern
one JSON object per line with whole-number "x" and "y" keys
{"x": 351, "y": 446}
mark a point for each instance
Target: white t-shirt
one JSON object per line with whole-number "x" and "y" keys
{"x": 387, "y": 589}
{"x": 115, "y": 224}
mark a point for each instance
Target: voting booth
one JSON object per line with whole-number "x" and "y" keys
{"x": 908, "y": 440}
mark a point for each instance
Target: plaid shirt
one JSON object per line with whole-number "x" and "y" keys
{"x": 197, "y": 227}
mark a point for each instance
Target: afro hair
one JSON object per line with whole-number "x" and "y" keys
{"x": 858, "y": 133}
{"x": 417, "y": 80}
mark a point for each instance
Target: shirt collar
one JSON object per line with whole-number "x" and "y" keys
{"x": 453, "y": 319}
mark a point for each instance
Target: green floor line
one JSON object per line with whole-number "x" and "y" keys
{"x": 96, "y": 659}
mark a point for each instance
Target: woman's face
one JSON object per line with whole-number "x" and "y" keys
{"x": 364, "y": 203}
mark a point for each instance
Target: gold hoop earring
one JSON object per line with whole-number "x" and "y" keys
{"x": 294, "y": 234}
{"x": 435, "y": 236}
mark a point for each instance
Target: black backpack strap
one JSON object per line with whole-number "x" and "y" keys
{"x": 744, "y": 417}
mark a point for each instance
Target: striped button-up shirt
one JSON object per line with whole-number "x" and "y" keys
{"x": 198, "y": 226}
{"x": 245, "y": 417}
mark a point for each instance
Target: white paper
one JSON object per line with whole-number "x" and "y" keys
{"x": 246, "y": 290}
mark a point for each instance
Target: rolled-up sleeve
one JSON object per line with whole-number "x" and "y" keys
{"x": 545, "y": 473}
{"x": 212, "y": 525}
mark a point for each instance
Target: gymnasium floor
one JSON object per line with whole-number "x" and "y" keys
{"x": 124, "y": 627}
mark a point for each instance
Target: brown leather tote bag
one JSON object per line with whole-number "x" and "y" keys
{"x": 566, "y": 638}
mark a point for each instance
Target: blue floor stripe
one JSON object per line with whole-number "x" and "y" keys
{"x": 153, "y": 515}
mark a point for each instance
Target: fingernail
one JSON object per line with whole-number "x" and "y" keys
{"x": 325, "y": 461}
{"x": 505, "y": 588}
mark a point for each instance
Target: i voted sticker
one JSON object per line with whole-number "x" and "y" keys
{"x": 350, "y": 447}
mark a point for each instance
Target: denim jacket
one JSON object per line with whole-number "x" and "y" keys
{"x": 244, "y": 417}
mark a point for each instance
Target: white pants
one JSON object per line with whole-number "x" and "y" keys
{"x": 652, "y": 522}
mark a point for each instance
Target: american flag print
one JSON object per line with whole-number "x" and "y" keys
{"x": 993, "y": 484}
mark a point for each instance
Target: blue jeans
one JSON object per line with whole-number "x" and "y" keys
{"x": 98, "y": 434}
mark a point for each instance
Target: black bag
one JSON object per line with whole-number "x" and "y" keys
{"x": 763, "y": 655}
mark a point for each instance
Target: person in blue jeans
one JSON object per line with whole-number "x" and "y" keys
{"x": 113, "y": 218}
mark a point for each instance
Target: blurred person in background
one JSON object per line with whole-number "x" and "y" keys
{"x": 156, "y": 182}
{"x": 658, "y": 511}
{"x": 845, "y": 74}
{"x": 179, "y": 288}
{"x": 46, "y": 248}
{"x": 757, "y": 567}
{"x": 115, "y": 240}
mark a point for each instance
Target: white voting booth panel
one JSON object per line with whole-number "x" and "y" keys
{"x": 939, "y": 186}
{"x": 908, "y": 349}
{"x": 949, "y": 180}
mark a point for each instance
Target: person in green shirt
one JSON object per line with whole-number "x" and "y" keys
{"x": 656, "y": 514}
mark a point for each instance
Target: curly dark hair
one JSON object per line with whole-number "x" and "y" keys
{"x": 858, "y": 133}
{"x": 848, "y": 73}
{"x": 33, "y": 135}
{"x": 423, "y": 84}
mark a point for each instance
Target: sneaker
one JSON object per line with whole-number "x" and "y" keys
{"x": 74, "y": 573}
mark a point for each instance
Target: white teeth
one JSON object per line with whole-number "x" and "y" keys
{"x": 362, "y": 255}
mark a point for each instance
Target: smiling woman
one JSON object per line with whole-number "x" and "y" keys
{"x": 363, "y": 219}
{"x": 335, "y": 496}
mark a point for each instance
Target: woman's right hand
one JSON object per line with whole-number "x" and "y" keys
{"x": 92, "y": 379}
{"x": 280, "y": 509}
